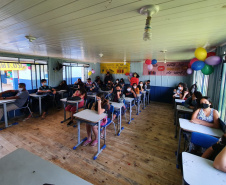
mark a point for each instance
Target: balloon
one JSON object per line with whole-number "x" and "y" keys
{"x": 131, "y": 74}
{"x": 210, "y": 54}
{"x": 189, "y": 71}
{"x": 148, "y": 61}
{"x": 201, "y": 54}
{"x": 93, "y": 71}
{"x": 29, "y": 67}
{"x": 89, "y": 73}
{"x": 213, "y": 60}
{"x": 150, "y": 67}
{"x": 154, "y": 61}
{"x": 127, "y": 74}
{"x": 24, "y": 65}
{"x": 198, "y": 65}
{"x": 207, "y": 70}
{"x": 192, "y": 61}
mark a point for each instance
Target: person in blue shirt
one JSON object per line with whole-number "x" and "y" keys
{"x": 21, "y": 98}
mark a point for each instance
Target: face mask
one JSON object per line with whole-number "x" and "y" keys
{"x": 141, "y": 85}
{"x": 129, "y": 89}
{"x": 20, "y": 89}
{"x": 44, "y": 83}
{"x": 117, "y": 81}
{"x": 204, "y": 105}
{"x": 192, "y": 91}
{"x": 118, "y": 90}
{"x": 134, "y": 87}
{"x": 135, "y": 75}
{"x": 179, "y": 88}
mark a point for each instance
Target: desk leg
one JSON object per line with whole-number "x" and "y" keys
{"x": 144, "y": 101}
{"x": 77, "y": 107}
{"x": 79, "y": 142}
{"x": 176, "y": 122}
{"x": 175, "y": 107}
{"x": 178, "y": 148}
{"x": 130, "y": 112}
{"x": 40, "y": 105}
{"x": 138, "y": 104}
{"x": 120, "y": 125}
{"x": 99, "y": 150}
{"x": 148, "y": 98}
{"x": 5, "y": 115}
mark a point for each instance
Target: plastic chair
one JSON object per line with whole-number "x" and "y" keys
{"x": 202, "y": 140}
{"x": 26, "y": 106}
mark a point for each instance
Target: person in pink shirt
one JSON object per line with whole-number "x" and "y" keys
{"x": 134, "y": 79}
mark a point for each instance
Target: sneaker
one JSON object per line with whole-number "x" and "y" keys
{"x": 69, "y": 123}
{"x": 86, "y": 142}
{"x": 94, "y": 143}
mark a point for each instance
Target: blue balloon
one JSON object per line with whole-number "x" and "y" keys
{"x": 198, "y": 65}
{"x": 154, "y": 61}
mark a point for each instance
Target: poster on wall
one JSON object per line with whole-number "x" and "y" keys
{"x": 167, "y": 69}
{"x": 115, "y": 68}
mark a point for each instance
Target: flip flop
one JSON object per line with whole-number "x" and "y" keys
{"x": 86, "y": 142}
{"x": 94, "y": 143}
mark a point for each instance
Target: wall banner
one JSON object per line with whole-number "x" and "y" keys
{"x": 167, "y": 69}
{"x": 11, "y": 66}
{"x": 115, "y": 68}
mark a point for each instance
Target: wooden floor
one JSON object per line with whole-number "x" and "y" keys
{"x": 143, "y": 154}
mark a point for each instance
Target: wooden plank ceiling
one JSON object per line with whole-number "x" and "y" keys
{"x": 81, "y": 29}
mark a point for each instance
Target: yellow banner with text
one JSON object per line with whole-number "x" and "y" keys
{"x": 115, "y": 68}
{"x": 11, "y": 66}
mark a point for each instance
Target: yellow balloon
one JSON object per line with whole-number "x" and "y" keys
{"x": 200, "y": 54}
{"x": 89, "y": 73}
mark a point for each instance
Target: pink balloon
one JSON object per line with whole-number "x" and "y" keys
{"x": 29, "y": 67}
{"x": 148, "y": 61}
{"x": 213, "y": 60}
{"x": 189, "y": 71}
{"x": 93, "y": 71}
{"x": 150, "y": 67}
{"x": 131, "y": 74}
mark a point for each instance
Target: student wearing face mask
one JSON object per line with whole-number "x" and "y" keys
{"x": 147, "y": 84}
{"x": 205, "y": 115}
{"x": 135, "y": 88}
{"x": 134, "y": 79}
{"x": 122, "y": 82}
{"x": 141, "y": 86}
{"x": 21, "y": 98}
{"x": 129, "y": 92}
{"x": 179, "y": 90}
{"x": 116, "y": 82}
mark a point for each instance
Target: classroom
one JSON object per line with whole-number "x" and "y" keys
{"x": 99, "y": 92}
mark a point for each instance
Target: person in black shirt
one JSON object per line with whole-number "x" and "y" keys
{"x": 108, "y": 77}
{"x": 130, "y": 93}
{"x": 101, "y": 106}
{"x": 62, "y": 86}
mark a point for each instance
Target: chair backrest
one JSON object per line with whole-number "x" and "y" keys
{"x": 222, "y": 125}
{"x": 112, "y": 109}
{"x": 203, "y": 140}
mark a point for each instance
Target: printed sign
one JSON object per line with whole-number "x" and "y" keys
{"x": 115, "y": 68}
{"x": 11, "y": 66}
{"x": 167, "y": 69}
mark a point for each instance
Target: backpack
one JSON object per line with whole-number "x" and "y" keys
{"x": 75, "y": 98}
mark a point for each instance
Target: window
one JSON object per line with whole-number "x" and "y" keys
{"x": 71, "y": 72}
{"x": 201, "y": 81}
{"x": 17, "y": 70}
{"x": 222, "y": 99}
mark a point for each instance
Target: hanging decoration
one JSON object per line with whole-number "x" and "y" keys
{"x": 90, "y": 73}
{"x": 198, "y": 65}
{"x": 150, "y": 67}
{"x": 213, "y": 60}
{"x": 200, "y": 54}
{"x": 154, "y": 61}
{"x": 189, "y": 71}
{"x": 207, "y": 69}
{"x": 148, "y": 61}
{"x": 93, "y": 71}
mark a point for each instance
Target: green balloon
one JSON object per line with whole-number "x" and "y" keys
{"x": 207, "y": 69}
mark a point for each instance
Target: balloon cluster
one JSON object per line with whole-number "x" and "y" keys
{"x": 204, "y": 61}
{"x": 150, "y": 63}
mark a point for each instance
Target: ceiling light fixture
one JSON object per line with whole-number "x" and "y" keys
{"x": 164, "y": 51}
{"x": 101, "y": 55}
{"x": 149, "y": 11}
{"x": 30, "y": 38}
{"x": 124, "y": 61}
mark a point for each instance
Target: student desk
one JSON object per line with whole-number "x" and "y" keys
{"x": 129, "y": 100}
{"x": 193, "y": 127}
{"x": 61, "y": 92}
{"x": 144, "y": 93}
{"x": 24, "y": 168}
{"x": 183, "y": 109}
{"x": 39, "y": 99}
{"x": 105, "y": 92}
{"x": 65, "y": 102}
{"x": 138, "y": 103}
{"x": 4, "y": 103}
{"x": 89, "y": 116}
{"x": 197, "y": 170}
{"x": 92, "y": 96}
{"x": 118, "y": 106}
{"x": 176, "y": 102}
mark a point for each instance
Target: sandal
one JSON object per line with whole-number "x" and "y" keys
{"x": 94, "y": 143}
{"x": 86, "y": 142}
{"x": 101, "y": 135}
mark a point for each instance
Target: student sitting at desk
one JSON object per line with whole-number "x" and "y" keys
{"x": 193, "y": 101}
{"x": 130, "y": 93}
{"x": 78, "y": 82}
{"x": 21, "y": 98}
{"x": 116, "y": 82}
{"x": 185, "y": 93}
{"x": 62, "y": 86}
{"x": 135, "y": 88}
{"x": 178, "y": 90}
{"x": 205, "y": 115}
{"x": 98, "y": 81}
{"x": 147, "y": 85}
{"x": 88, "y": 84}
{"x": 122, "y": 82}
{"x": 141, "y": 86}
{"x": 81, "y": 92}
{"x": 220, "y": 161}
{"x": 101, "y": 106}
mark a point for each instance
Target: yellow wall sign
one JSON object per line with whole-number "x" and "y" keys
{"x": 11, "y": 66}
{"x": 115, "y": 68}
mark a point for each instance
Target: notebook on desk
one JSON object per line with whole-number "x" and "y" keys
{"x": 222, "y": 125}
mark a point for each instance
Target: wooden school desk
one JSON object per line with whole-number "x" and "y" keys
{"x": 197, "y": 171}
{"x": 24, "y": 168}
{"x": 89, "y": 116}
{"x": 118, "y": 106}
{"x": 4, "y": 103}
{"x": 186, "y": 125}
{"x": 129, "y": 100}
{"x": 73, "y": 102}
{"x": 182, "y": 109}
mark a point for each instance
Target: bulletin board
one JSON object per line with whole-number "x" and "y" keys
{"x": 115, "y": 68}
{"x": 167, "y": 69}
